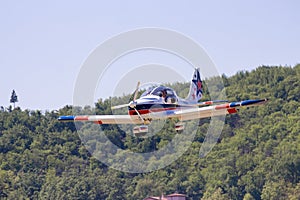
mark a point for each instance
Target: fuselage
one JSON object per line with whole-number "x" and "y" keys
{"x": 157, "y": 99}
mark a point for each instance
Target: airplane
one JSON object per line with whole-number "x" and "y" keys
{"x": 161, "y": 102}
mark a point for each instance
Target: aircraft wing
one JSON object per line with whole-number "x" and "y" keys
{"x": 204, "y": 112}
{"x": 182, "y": 114}
{"x": 104, "y": 119}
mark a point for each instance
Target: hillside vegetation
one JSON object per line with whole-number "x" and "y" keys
{"x": 257, "y": 155}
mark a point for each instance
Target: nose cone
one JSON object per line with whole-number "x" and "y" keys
{"x": 132, "y": 104}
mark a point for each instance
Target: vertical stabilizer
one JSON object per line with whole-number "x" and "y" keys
{"x": 195, "y": 93}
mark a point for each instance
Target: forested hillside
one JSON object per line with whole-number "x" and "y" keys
{"x": 257, "y": 155}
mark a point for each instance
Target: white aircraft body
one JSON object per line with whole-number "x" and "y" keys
{"x": 163, "y": 103}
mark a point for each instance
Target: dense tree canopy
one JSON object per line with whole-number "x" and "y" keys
{"x": 257, "y": 156}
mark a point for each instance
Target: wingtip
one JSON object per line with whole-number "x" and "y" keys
{"x": 253, "y": 102}
{"x": 66, "y": 118}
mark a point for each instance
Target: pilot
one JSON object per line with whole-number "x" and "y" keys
{"x": 164, "y": 93}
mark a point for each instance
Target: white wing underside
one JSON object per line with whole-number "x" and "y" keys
{"x": 183, "y": 114}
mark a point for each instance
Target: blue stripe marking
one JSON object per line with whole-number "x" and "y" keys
{"x": 170, "y": 112}
{"x": 66, "y": 118}
{"x": 246, "y": 102}
{"x": 249, "y": 102}
{"x": 234, "y": 104}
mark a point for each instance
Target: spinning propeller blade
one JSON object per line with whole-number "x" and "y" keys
{"x": 136, "y": 90}
{"x": 119, "y": 106}
{"x": 131, "y": 103}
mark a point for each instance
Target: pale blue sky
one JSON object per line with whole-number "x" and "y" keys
{"x": 42, "y": 45}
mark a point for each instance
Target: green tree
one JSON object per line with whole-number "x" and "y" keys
{"x": 256, "y": 157}
{"x": 13, "y": 98}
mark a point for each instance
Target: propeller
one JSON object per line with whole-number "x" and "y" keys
{"x": 119, "y": 106}
{"x": 132, "y": 104}
{"x": 136, "y": 91}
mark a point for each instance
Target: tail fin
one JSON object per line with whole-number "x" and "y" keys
{"x": 195, "y": 93}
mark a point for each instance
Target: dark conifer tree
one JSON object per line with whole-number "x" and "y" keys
{"x": 13, "y": 98}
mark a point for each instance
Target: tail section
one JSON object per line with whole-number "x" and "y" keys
{"x": 195, "y": 93}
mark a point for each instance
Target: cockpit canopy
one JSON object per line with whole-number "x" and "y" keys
{"x": 168, "y": 94}
{"x": 159, "y": 91}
